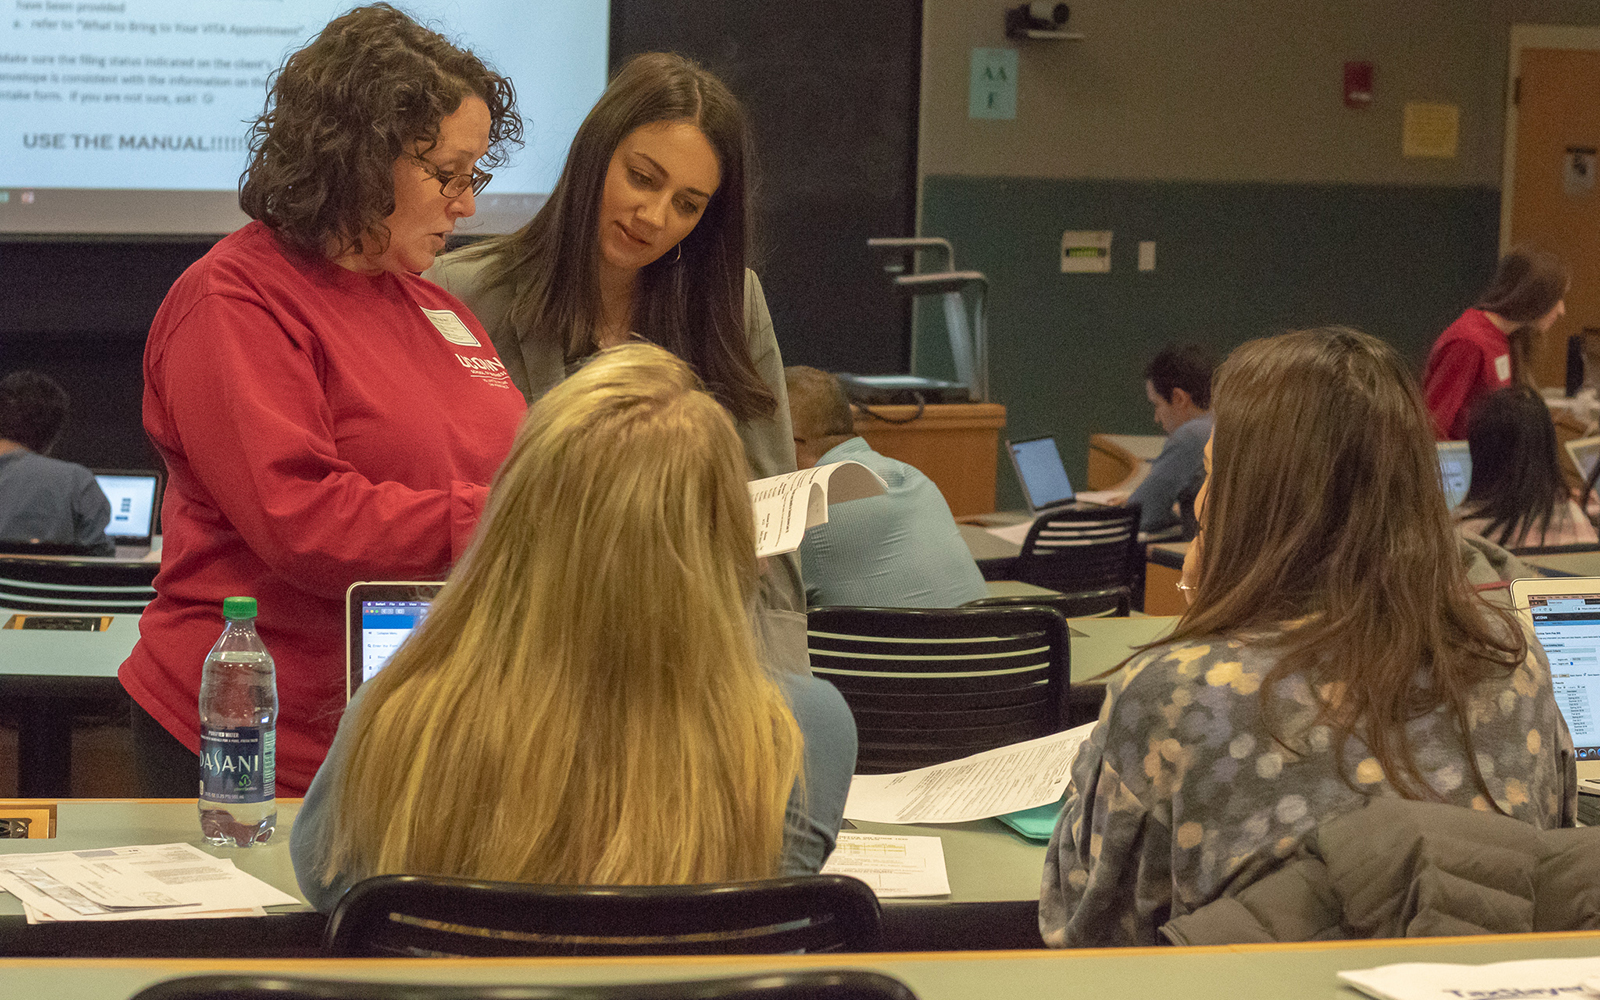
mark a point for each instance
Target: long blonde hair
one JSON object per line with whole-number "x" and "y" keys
{"x": 584, "y": 703}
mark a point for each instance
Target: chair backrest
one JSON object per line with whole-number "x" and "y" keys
{"x": 76, "y": 587}
{"x": 1108, "y": 602}
{"x": 427, "y": 915}
{"x": 803, "y": 984}
{"x": 932, "y": 685}
{"x": 1081, "y": 550}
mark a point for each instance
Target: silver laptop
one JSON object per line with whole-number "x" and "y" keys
{"x": 379, "y": 616}
{"x": 1564, "y": 613}
{"x": 1455, "y": 468}
{"x": 1584, "y": 452}
{"x": 135, "y": 497}
{"x": 1045, "y": 486}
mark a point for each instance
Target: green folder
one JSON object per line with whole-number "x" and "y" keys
{"x": 1036, "y": 823}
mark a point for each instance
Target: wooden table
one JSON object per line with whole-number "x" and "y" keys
{"x": 1239, "y": 972}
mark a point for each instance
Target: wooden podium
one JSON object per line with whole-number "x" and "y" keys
{"x": 957, "y": 445}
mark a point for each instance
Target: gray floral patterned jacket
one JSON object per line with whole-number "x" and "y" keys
{"x": 1181, "y": 792}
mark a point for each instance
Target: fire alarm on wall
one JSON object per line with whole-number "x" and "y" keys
{"x": 1357, "y": 84}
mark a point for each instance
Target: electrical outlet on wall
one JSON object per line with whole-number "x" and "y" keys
{"x": 1147, "y": 255}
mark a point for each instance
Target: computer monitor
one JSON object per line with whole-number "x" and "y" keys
{"x": 133, "y": 496}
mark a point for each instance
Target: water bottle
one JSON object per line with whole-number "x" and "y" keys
{"x": 238, "y": 720}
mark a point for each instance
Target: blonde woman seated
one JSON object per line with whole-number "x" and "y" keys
{"x": 1518, "y": 497}
{"x": 585, "y": 704}
{"x": 1333, "y": 652}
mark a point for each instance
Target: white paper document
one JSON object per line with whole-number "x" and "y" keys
{"x": 786, "y": 505}
{"x": 893, "y": 866}
{"x": 986, "y": 784}
{"x": 159, "y": 882}
{"x": 1540, "y": 977}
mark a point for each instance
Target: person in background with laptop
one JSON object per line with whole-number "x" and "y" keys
{"x": 1487, "y": 347}
{"x": 586, "y": 702}
{"x": 901, "y": 549}
{"x": 43, "y": 499}
{"x": 1178, "y": 384}
{"x": 1518, "y": 497}
{"x": 326, "y": 416}
{"x": 1333, "y": 652}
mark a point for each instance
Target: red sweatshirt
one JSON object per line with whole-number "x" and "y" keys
{"x": 1471, "y": 359}
{"x": 319, "y": 427}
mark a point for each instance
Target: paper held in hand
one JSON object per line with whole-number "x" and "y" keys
{"x": 986, "y": 784}
{"x": 787, "y": 505}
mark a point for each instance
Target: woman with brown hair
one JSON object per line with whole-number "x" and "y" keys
{"x": 645, "y": 237}
{"x": 325, "y": 415}
{"x": 621, "y": 731}
{"x": 1488, "y": 346}
{"x": 1333, "y": 652}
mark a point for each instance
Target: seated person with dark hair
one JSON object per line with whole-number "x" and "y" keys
{"x": 43, "y": 499}
{"x": 1178, "y": 382}
{"x": 898, "y": 550}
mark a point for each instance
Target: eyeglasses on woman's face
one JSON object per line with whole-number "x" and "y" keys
{"x": 453, "y": 185}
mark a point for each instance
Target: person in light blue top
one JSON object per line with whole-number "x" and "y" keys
{"x": 898, "y": 550}
{"x": 1178, "y": 384}
{"x": 587, "y": 701}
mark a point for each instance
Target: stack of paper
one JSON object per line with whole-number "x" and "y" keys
{"x": 1021, "y": 776}
{"x": 163, "y": 882}
{"x": 1538, "y": 977}
{"x": 893, "y": 866}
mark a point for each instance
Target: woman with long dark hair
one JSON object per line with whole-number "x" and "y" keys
{"x": 1518, "y": 497}
{"x": 645, "y": 236}
{"x": 1488, "y": 346}
{"x": 1333, "y": 652}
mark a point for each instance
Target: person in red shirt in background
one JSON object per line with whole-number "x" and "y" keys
{"x": 1487, "y": 347}
{"x": 326, "y": 415}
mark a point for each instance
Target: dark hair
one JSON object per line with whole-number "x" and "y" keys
{"x": 33, "y": 409}
{"x": 1517, "y": 483}
{"x": 818, "y": 407}
{"x": 1188, "y": 368}
{"x": 371, "y": 87}
{"x": 1326, "y": 523}
{"x": 693, "y": 306}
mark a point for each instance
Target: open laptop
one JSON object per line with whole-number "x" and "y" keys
{"x": 1455, "y": 468}
{"x": 378, "y": 618}
{"x": 135, "y": 497}
{"x": 1045, "y": 486}
{"x": 1584, "y": 452}
{"x": 1565, "y": 615}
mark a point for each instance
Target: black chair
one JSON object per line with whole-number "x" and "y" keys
{"x": 433, "y": 916}
{"x": 809, "y": 984}
{"x": 68, "y": 586}
{"x": 928, "y": 686}
{"x": 1111, "y": 602}
{"x": 1089, "y": 551}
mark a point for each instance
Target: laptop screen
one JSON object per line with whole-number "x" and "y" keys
{"x": 1039, "y": 467}
{"x": 1568, "y": 627}
{"x": 384, "y": 626}
{"x": 1455, "y": 468}
{"x": 133, "y": 505}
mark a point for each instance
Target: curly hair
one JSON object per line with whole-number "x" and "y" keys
{"x": 369, "y": 89}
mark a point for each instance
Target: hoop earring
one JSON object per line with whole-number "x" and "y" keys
{"x": 679, "y": 258}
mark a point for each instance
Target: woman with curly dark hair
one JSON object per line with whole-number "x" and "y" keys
{"x": 326, "y": 416}
{"x": 646, "y": 236}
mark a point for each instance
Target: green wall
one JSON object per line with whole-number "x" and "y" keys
{"x": 1233, "y": 261}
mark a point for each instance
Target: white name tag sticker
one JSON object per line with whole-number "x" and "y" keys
{"x": 450, "y": 327}
{"x": 1502, "y": 364}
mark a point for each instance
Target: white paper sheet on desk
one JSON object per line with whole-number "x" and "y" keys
{"x": 986, "y": 784}
{"x": 893, "y": 866}
{"x": 1539, "y": 977}
{"x": 786, "y": 505}
{"x": 211, "y": 887}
